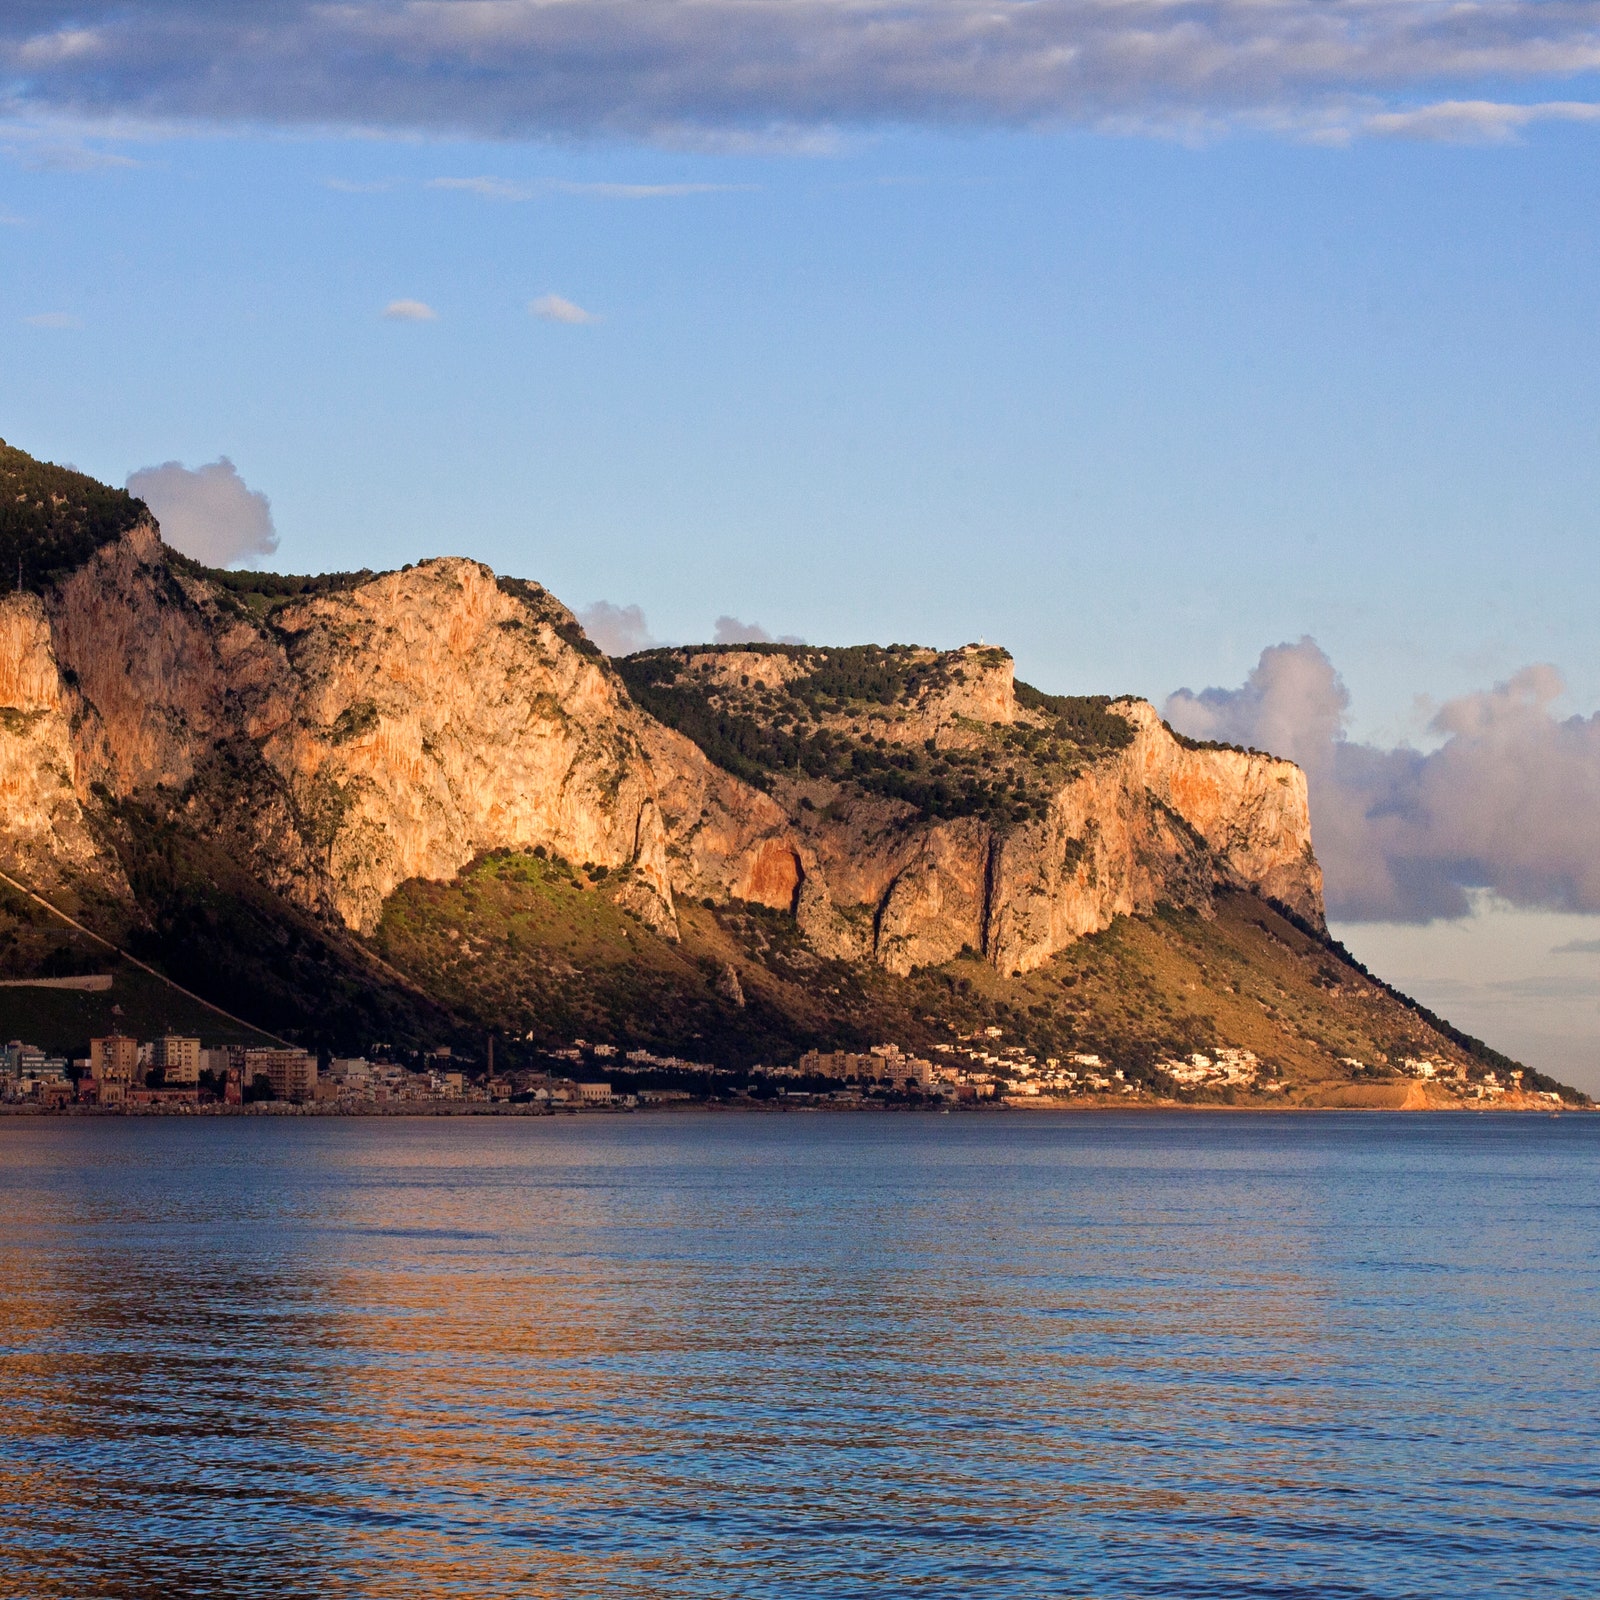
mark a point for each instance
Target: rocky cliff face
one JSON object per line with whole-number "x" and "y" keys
{"x": 45, "y": 839}
{"x": 1066, "y": 814}
{"x": 902, "y": 805}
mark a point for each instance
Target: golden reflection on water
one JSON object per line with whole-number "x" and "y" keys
{"x": 740, "y": 1357}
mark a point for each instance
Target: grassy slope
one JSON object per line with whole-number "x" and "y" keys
{"x": 216, "y": 930}
{"x": 527, "y": 946}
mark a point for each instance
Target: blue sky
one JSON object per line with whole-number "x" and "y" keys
{"x": 1134, "y": 408}
{"x": 1138, "y": 371}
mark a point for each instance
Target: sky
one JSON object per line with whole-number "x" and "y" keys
{"x": 1242, "y": 357}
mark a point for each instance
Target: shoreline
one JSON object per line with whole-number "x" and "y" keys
{"x": 1032, "y": 1108}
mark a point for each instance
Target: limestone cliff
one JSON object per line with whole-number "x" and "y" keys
{"x": 344, "y": 735}
{"x": 918, "y": 807}
{"x": 45, "y": 839}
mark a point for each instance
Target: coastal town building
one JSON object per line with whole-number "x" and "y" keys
{"x": 177, "y": 1059}
{"x": 114, "y": 1059}
{"x": 292, "y": 1074}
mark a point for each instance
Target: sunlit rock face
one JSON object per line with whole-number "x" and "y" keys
{"x": 45, "y": 836}
{"x": 1155, "y": 822}
{"x": 394, "y": 727}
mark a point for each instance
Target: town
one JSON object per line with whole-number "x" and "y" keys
{"x": 180, "y": 1074}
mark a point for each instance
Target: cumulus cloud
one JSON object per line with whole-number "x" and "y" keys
{"x": 1509, "y": 801}
{"x": 687, "y": 70}
{"x": 618, "y": 630}
{"x": 553, "y": 308}
{"x": 207, "y": 512}
{"x": 730, "y": 630}
{"x": 410, "y": 311}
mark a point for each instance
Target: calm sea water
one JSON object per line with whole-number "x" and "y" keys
{"x": 788, "y": 1356}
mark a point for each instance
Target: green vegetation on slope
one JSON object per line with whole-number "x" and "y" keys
{"x": 219, "y": 931}
{"x": 804, "y": 728}
{"x": 538, "y": 951}
{"x": 262, "y": 593}
{"x": 53, "y": 519}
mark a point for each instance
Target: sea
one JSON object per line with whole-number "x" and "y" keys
{"x": 743, "y": 1355}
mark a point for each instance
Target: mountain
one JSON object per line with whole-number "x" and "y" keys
{"x": 418, "y": 805}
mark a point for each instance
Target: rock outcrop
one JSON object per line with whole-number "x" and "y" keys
{"x": 386, "y": 728}
{"x": 45, "y": 838}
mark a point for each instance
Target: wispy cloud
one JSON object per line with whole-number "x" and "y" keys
{"x": 1509, "y": 801}
{"x": 648, "y": 191}
{"x": 68, "y": 157}
{"x": 1474, "y": 121}
{"x": 738, "y": 74}
{"x": 554, "y": 308}
{"x": 1577, "y": 947}
{"x": 348, "y": 186}
{"x": 485, "y": 188}
{"x": 410, "y": 311}
{"x": 504, "y": 190}
{"x": 53, "y": 319}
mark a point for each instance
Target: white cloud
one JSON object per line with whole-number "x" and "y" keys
{"x": 502, "y": 189}
{"x": 349, "y": 186}
{"x": 730, "y": 630}
{"x": 1508, "y": 802}
{"x": 53, "y": 319}
{"x": 733, "y": 74}
{"x": 618, "y": 630}
{"x": 207, "y": 512}
{"x": 410, "y": 311}
{"x": 553, "y": 308}
{"x": 1475, "y": 121}
{"x": 648, "y": 191}
{"x": 68, "y": 157}
{"x": 484, "y": 188}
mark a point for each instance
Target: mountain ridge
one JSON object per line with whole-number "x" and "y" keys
{"x": 289, "y": 763}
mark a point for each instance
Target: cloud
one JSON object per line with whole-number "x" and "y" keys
{"x": 737, "y": 73}
{"x": 349, "y": 186}
{"x": 648, "y": 191}
{"x": 410, "y": 311}
{"x": 1509, "y": 801}
{"x": 1475, "y": 121}
{"x": 207, "y": 513}
{"x": 1577, "y": 947}
{"x": 555, "y": 309}
{"x": 501, "y": 189}
{"x": 618, "y": 630}
{"x": 68, "y": 157}
{"x": 484, "y": 188}
{"x": 53, "y": 319}
{"x": 730, "y": 630}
